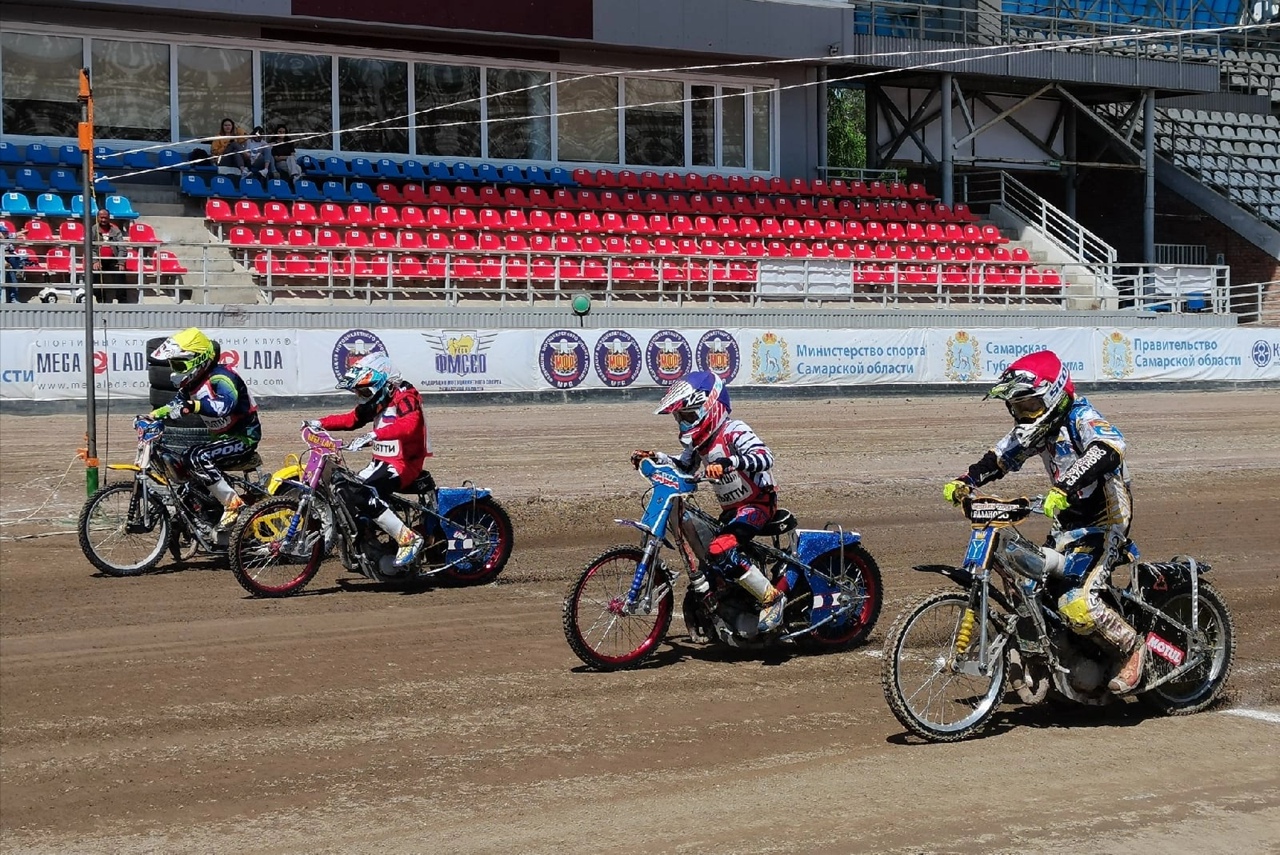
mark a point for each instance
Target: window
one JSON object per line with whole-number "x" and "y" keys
{"x": 519, "y": 114}
{"x": 41, "y": 83}
{"x": 761, "y": 153}
{"x": 373, "y": 105}
{"x": 587, "y": 119}
{"x": 130, "y": 90}
{"x": 297, "y": 91}
{"x": 447, "y": 98}
{"x": 213, "y": 83}
{"x": 733, "y": 108}
{"x": 655, "y": 122}
{"x": 703, "y": 112}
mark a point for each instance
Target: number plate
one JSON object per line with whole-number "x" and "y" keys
{"x": 980, "y": 543}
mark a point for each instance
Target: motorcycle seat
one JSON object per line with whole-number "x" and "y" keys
{"x": 424, "y": 483}
{"x": 783, "y": 521}
{"x": 242, "y": 464}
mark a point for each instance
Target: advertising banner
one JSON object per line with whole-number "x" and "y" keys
{"x": 49, "y": 365}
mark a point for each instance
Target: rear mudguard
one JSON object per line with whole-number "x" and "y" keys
{"x": 811, "y": 544}
{"x": 1168, "y": 575}
{"x": 448, "y": 498}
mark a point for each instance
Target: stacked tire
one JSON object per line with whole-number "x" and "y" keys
{"x": 186, "y": 431}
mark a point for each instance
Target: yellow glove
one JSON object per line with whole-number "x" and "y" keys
{"x": 1055, "y": 502}
{"x": 956, "y": 491}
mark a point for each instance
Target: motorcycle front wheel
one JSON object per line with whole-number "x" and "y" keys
{"x": 1199, "y": 687}
{"x": 260, "y": 559}
{"x": 596, "y": 624}
{"x": 116, "y": 543}
{"x": 485, "y": 525}
{"x": 932, "y": 683}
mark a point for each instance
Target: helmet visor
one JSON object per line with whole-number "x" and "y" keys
{"x": 687, "y": 417}
{"x": 363, "y": 392}
{"x": 1027, "y": 409}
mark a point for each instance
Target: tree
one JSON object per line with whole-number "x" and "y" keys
{"x": 846, "y": 124}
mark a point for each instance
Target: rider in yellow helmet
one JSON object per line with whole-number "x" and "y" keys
{"x": 219, "y": 396}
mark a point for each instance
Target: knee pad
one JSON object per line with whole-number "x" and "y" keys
{"x": 1075, "y": 609}
{"x": 721, "y": 545}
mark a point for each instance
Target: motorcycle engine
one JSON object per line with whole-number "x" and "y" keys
{"x": 1085, "y": 663}
{"x": 737, "y": 618}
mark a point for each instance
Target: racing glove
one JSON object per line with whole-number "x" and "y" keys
{"x": 956, "y": 491}
{"x": 314, "y": 424}
{"x": 1055, "y": 502}
{"x": 638, "y": 455}
{"x": 716, "y": 468}
{"x": 360, "y": 441}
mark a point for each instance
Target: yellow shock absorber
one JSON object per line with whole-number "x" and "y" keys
{"x": 965, "y": 634}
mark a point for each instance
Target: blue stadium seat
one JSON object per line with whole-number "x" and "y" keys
{"x": 77, "y": 206}
{"x": 39, "y": 154}
{"x": 252, "y": 188}
{"x": 389, "y": 170}
{"x": 16, "y": 205}
{"x": 278, "y": 188}
{"x": 139, "y": 160}
{"x": 438, "y": 170}
{"x": 362, "y": 192}
{"x": 194, "y": 185}
{"x": 171, "y": 158}
{"x": 362, "y": 168}
{"x": 224, "y": 187}
{"x": 306, "y": 190}
{"x": 334, "y": 192}
{"x": 107, "y": 158}
{"x": 51, "y": 205}
{"x": 336, "y": 167}
{"x": 9, "y": 153}
{"x": 27, "y": 178}
{"x": 64, "y": 181}
{"x": 312, "y": 167}
{"x": 563, "y": 177}
{"x": 6, "y": 181}
{"x": 491, "y": 174}
{"x": 464, "y": 172}
{"x": 70, "y": 155}
{"x": 538, "y": 175}
{"x": 511, "y": 174}
{"x": 412, "y": 170}
{"x": 120, "y": 207}
{"x": 102, "y": 184}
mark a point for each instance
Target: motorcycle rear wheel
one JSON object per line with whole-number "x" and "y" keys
{"x": 486, "y": 523}
{"x": 105, "y": 540}
{"x": 257, "y": 561}
{"x": 594, "y": 624}
{"x": 1201, "y": 686}
{"x": 926, "y": 694}
{"x": 863, "y": 574}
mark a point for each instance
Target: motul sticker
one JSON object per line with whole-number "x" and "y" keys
{"x": 1165, "y": 650}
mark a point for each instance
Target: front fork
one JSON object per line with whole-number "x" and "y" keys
{"x": 644, "y": 592}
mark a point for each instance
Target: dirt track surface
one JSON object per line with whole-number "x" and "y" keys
{"x": 171, "y": 713}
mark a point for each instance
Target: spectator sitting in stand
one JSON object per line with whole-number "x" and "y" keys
{"x": 285, "y": 155}
{"x": 228, "y": 148}
{"x": 258, "y": 158}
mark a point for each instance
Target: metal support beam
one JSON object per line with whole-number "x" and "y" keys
{"x": 948, "y": 143}
{"x": 1149, "y": 161}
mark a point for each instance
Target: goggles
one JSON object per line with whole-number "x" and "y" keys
{"x": 688, "y": 418}
{"x": 1028, "y": 408}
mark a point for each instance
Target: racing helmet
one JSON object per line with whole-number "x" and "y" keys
{"x": 371, "y": 378}
{"x": 1038, "y": 390}
{"x": 191, "y": 357}
{"x": 700, "y": 403}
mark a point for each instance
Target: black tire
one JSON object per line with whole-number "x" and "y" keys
{"x": 861, "y": 575}
{"x": 920, "y": 641}
{"x": 488, "y": 526}
{"x": 254, "y": 550}
{"x": 1200, "y": 687}
{"x": 152, "y": 344}
{"x": 612, "y": 641}
{"x": 158, "y": 397}
{"x": 182, "y": 434}
{"x": 160, "y": 376}
{"x": 104, "y": 538}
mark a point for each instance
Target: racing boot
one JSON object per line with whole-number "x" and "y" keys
{"x": 231, "y": 503}
{"x": 408, "y": 542}
{"x": 1129, "y": 676}
{"x": 772, "y": 601}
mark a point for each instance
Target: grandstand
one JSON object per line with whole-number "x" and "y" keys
{"x": 666, "y": 153}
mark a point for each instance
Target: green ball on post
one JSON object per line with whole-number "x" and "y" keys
{"x": 581, "y": 304}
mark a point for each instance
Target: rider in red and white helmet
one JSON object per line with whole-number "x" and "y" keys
{"x": 738, "y": 463}
{"x": 1090, "y": 502}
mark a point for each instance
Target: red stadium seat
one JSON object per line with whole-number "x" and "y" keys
{"x": 386, "y": 216}
{"x": 412, "y": 217}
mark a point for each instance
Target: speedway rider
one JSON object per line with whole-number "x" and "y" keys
{"x": 221, "y": 398}
{"x": 738, "y": 464}
{"x": 1090, "y": 503}
{"x": 399, "y": 442}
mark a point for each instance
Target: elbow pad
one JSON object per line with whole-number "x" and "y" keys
{"x": 1097, "y": 460}
{"x": 989, "y": 468}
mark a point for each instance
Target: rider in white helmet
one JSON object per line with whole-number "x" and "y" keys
{"x": 399, "y": 441}
{"x": 738, "y": 462}
{"x": 1090, "y": 502}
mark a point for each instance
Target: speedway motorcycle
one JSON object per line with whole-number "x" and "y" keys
{"x": 278, "y": 545}
{"x": 949, "y": 656}
{"x": 619, "y": 608}
{"x": 126, "y": 528}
